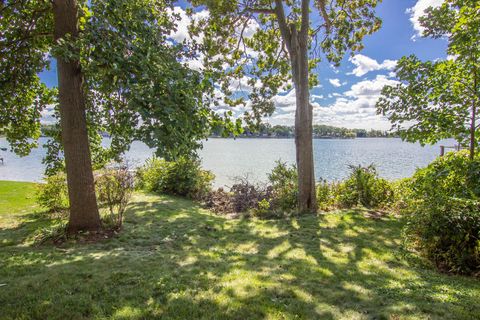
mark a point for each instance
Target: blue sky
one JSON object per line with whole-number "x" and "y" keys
{"x": 347, "y": 95}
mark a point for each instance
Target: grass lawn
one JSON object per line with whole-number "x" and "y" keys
{"x": 174, "y": 260}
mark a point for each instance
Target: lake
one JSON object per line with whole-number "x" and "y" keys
{"x": 229, "y": 158}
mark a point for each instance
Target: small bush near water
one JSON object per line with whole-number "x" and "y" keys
{"x": 442, "y": 210}
{"x": 327, "y": 193}
{"x": 183, "y": 177}
{"x": 113, "y": 187}
{"x": 274, "y": 200}
{"x": 279, "y": 198}
{"x": 447, "y": 233}
{"x": 283, "y": 180}
{"x": 53, "y": 194}
{"x": 363, "y": 187}
{"x": 243, "y": 196}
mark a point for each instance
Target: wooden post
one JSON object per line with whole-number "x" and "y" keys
{"x": 442, "y": 151}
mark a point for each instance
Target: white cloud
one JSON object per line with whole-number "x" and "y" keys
{"x": 452, "y": 57}
{"x": 335, "y": 82}
{"x": 418, "y": 10}
{"x": 369, "y": 88}
{"x": 366, "y": 64}
{"x": 195, "y": 64}
{"x": 243, "y": 85}
{"x": 285, "y": 102}
{"x": 316, "y": 96}
{"x": 356, "y": 108}
{"x": 47, "y": 115}
{"x": 181, "y": 33}
{"x": 250, "y": 29}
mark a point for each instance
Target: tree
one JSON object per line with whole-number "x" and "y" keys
{"x": 28, "y": 31}
{"x": 439, "y": 99}
{"x": 117, "y": 72}
{"x": 284, "y": 46}
{"x": 81, "y": 188}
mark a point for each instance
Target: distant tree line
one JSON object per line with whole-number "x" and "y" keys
{"x": 320, "y": 131}
{"x": 266, "y": 130}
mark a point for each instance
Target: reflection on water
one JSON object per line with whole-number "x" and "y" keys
{"x": 229, "y": 158}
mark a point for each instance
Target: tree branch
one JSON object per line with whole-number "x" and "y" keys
{"x": 282, "y": 23}
{"x": 261, "y": 10}
{"x": 322, "y": 7}
{"x": 305, "y": 18}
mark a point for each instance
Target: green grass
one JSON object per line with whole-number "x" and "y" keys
{"x": 174, "y": 260}
{"x": 16, "y": 197}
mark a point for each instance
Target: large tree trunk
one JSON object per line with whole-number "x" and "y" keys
{"x": 81, "y": 189}
{"x": 303, "y": 126}
{"x": 472, "y": 131}
{"x": 297, "y": 47}
{"x": 473, "y": 125}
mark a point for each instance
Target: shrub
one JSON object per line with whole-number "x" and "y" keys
{"x": 453, "y": 175}
{"x": 441, "y": 205}
{"x": 183, "y": 177}
{"x": 402, "y": 195}
{"x": 56, "y": 233}
{"x": 151, "y": 174}
{"x": 364, "y": 187}
{"x": 327, "y": 193}
{"x": 262, "y": 209}
{"x": 220, "y": 201}
{"x": 53, "y": 194}
{"x": 114, "y": 187}
{"x": 284, "y": 185}
{"x": 448, "y": 234}
{"x": 242, "y": 197}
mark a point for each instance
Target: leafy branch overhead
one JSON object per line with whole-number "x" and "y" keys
{"x": 248, "y": 45}
{"x": 137, "y": 84}
{"x": 439, "y": 99}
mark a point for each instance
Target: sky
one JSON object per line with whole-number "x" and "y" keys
{"x": 346, "y": 95}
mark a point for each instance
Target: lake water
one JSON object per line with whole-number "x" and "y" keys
{"x": 229, "y": 158}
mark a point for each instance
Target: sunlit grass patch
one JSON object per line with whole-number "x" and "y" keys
{"x": 175, "y": 260}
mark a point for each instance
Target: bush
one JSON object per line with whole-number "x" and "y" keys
{"x": 277, "y": 199}
{"x": 441, "y": 205}
{"x": 183, "y": 177}
{"x": 402, "y": 195}
{"x": 53, "y": 194}
{"x": 114, "y": 187}
{"x": 327, "y": 193}
{"x": 151, "y": 174}
{"x": 284, "y": 185}
{"x": 243, "y": 197}
{"x": 364, "y": 187}
{"x": 453, "y": 175}
{"x": 246, "y": 196}
{"x": 56, "y": 233}
{"x": 262, "y": 209}
{"x": 220, "y": 201}
{"x": 448, "y": 234}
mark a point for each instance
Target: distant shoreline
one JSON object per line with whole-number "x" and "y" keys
{"x": 315, "y": 138}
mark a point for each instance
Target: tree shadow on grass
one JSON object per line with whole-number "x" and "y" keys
{"x": 23, "y": 226}
{"x": 174, "y": 260}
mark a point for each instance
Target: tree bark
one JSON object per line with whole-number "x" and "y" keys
{"x": 84, "y": 213}
{"x": 472, "y": 131}
{"x": 473, "y": 125}
{"x": 303, "y": 134}
{"x": 297, "y": 46}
